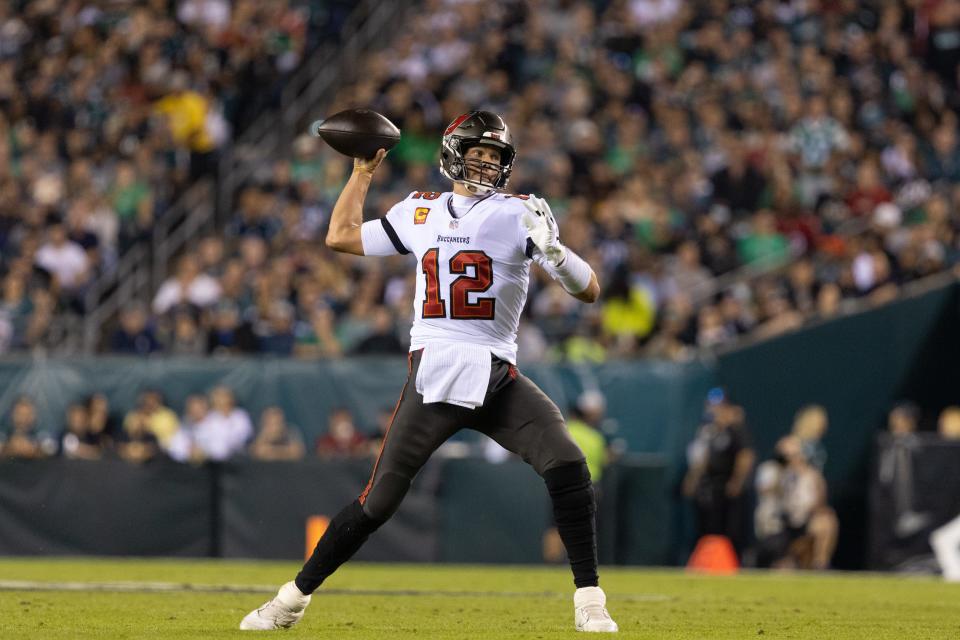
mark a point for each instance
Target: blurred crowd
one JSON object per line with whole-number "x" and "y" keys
{"x": 729, "y": 168}
{"x": 211, "y": 427}
{"x": 107, "y": 111}
{"x": 214, "y": 427}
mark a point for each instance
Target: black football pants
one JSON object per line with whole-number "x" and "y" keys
{"x": 518, "y": 416}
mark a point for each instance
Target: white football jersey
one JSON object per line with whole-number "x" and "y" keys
{"x": 473, "y": 269}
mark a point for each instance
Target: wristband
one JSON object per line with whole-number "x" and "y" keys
{"x": 573, "y": 273}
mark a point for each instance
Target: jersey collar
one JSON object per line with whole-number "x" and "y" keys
{"x": 464, "y": 215}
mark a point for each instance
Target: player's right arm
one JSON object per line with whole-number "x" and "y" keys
{"x": 344, "y": 235}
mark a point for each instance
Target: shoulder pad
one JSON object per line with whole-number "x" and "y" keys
{"x": 425, "y": 195}
{"x": 512, "y": 202}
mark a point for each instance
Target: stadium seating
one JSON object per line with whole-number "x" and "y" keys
{"x": 730, "y": 168}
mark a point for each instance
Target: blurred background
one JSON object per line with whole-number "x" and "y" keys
{"x": 768, "y": 190}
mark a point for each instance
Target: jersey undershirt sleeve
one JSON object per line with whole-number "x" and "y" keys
{"x": 380, "y": 237}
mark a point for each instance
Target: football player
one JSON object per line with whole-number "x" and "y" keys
{"x": 474, "y": 246}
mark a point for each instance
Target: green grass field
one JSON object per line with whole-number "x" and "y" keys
{"x": 68, "y": 599}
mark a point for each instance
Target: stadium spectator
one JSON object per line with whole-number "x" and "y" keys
{"x": 22, "y": 438}
{"x": 102, "y": 423}
{"x": 189, "y": 285}
{"x": 794, "y": 525}
{"x": 255, "y": 215}
{"x": 382, "y": 338}
{"x": 228, "y": 333}
{"x": 185, "y": 445}
{"x": 895, "y": 470}
{"x": 809, "y": 426}
{"x": 276, "y": 440}
{"x": 133, "y": 204}
{"x": 225, "y": 430}
{"x": 185, "y": 337}
{"x": 15, "y": 311}
{"x": 584, "y": 428}
{"x": 136, "y": 442}
{"x": 316, "y": 335}
{"x": 719, "y": 461}
{"x": 276, "y": 332}
{"x": 64, "y": 259}
{"x": 159, "y": 419}
{"x": 78, "y": 441}
{"x": 192, "y": 121}
{"x": 948, "y": 424}
{"x": 903, "y": 420}
{"x": 135, "y": 335}
{"x": 628, "y": 313}
{"x": 342, "y": 439}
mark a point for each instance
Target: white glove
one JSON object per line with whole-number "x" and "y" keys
{"x": 542, "y": 228}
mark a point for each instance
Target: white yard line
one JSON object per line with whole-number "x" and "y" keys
{"x": 127, "y": 586}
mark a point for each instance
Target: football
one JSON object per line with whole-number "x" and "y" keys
{"x": 357, "y": 133}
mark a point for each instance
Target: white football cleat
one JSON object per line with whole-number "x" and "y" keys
{"x": 282, "y": 612}
{"x": 590, "y": 611}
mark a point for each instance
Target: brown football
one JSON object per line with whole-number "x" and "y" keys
{"x": 357, "y": 133}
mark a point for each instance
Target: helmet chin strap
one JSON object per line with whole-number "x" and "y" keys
{"x": 476, "y": 189}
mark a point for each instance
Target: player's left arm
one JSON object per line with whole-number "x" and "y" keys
{"x": 592, "y": 293}
{"x": 563, "y": 264}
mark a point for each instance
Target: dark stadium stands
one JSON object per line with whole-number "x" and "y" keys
{"x": 731, "y": 168}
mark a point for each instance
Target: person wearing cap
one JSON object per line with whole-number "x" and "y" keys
{"x": 903, "y": 419}
{"x": 584, "y": 428}
{"x": 720, "y": 460}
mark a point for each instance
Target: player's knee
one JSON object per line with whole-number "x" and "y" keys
{"x": 567, "y": 474}
{"x": 385, "y": 497}
{"x": 569, "y": 484}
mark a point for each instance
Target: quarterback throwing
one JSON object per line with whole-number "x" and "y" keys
{"x": 474, "y": 247}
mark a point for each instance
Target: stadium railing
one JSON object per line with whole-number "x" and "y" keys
{"x": 144, "y": 266}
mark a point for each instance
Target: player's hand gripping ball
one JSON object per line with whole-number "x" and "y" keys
{"x": 542, "y": 228}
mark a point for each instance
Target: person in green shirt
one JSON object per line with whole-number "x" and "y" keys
{"x": 418, "y": 145}
{"x": 764, "y": 245}
{"x": 584, "y": 428}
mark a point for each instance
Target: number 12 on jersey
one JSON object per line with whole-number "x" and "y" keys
{"x": 460, "y": 289}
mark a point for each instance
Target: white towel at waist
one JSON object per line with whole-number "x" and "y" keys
{"x": 454, "y": 372}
